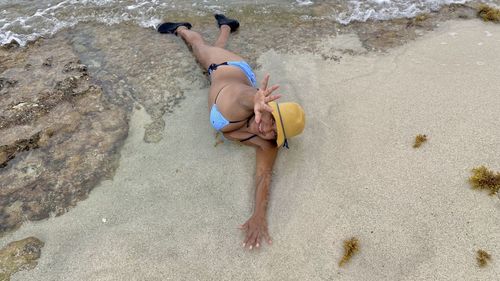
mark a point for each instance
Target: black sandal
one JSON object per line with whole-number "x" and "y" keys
{"x": 223, "y": 20}
{"x": 171, "y": 27}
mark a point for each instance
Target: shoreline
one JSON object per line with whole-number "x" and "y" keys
{"x": 171, "y": 211}
{"x": 392, "y": 32}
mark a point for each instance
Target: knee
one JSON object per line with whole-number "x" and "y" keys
{"x": 197, "y": 41}
{"x": 191, "y": 37}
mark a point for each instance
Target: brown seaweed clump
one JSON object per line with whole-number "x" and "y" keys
{"x": 421, "y": 17}
{"x": 419, "y": 140}
{"x": 351, "y": 247}
{"x": 19, "y": 255}
{"x": 482, "y": 258}
{"x": 219, "y": 138}
{"x": 488, "y": 13}
{"x": 483, "y": 178}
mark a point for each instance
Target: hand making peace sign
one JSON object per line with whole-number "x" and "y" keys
{"x": 262, "y": 97}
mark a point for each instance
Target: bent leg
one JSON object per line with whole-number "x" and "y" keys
{"x": 221, "y": 41}
{"x": 204, "y": 53}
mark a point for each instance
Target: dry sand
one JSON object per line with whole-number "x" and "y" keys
{"x": 172, "y": 210}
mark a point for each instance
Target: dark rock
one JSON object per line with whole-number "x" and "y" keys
{"x": 19, "y": 255}
{"x": 59, "y": 136}
{"x": 8, "y": 152}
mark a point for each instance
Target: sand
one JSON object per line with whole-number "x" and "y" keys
{"x": 172, "y": 210}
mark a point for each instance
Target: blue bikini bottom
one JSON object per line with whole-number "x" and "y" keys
{"x": 243, "y": 65}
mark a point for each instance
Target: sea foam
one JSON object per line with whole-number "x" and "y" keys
{"x": 23, "y": 22}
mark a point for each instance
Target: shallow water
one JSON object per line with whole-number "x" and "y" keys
{"x": 24, "y": 21}
{"x": 59, "y": 154}
{"x": 136, "y": 67}
{"x": 171, "y": 211}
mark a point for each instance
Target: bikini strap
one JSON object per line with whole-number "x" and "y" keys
{"x": 248, "y": 124}
{"x": 215, "y": 102}
{"x": 214, "y": 66}
{"x": 248, "y": 120}
{"x": 250, "y": 137}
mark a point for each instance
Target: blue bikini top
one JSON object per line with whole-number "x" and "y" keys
{"x": 218, "y": 120}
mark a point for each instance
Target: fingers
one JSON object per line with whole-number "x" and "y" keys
{"x": 254, "y": 241}
{"x": 247, "y": 239}
{"x": 271, "y": 90}
{"x": 257, "y": 116}
{"x": 257, "y": 240}
{"x": 267, "y": 237}
{"x": 268, "y": 108}
{"x": 272, "y": 98}
{"x": 264, "y": 106}
{"x": 254, "y": 234}
{"x": 251, "y": 239}
{"x": 263, "y": 84}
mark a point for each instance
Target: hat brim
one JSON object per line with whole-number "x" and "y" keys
{"x": 280, "y": 137}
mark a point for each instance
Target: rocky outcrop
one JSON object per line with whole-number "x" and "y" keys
{"x": 58, "y": 135}
{"x": 19, "y": 255}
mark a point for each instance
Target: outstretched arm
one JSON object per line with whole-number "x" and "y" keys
{"x": 256, "y": 227}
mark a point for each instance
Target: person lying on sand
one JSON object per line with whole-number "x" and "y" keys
{"x": 243, "y": 113}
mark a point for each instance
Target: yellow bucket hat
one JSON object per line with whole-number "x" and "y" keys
{"x": 290, "y": 121}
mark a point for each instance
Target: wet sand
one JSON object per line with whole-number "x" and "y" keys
{"x": 172, "y": 209}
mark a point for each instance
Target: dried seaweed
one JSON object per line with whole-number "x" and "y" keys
{"x": 219, "y": 138}
{"x": 483, "y": 178}
{"x": 419, "y": 140}
{"x": 351, "y": 247}
{"x": 488, "y": 13}
{"x": 421, "y": 17}
{"x": 482, "y": 258}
